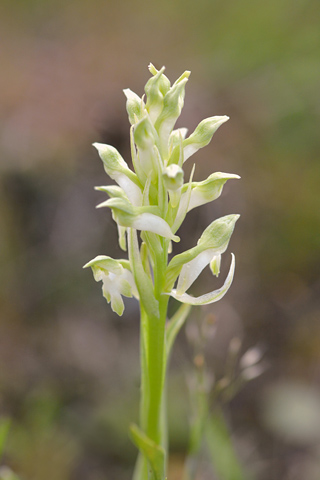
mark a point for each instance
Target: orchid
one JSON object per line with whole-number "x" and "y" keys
{"x": 153, "y": 199}
{"x": 117, "y": 280}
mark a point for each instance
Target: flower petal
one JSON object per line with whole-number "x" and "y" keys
{"x": 210, "y": 297}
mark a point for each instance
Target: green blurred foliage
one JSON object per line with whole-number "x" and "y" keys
{"x": 68, "y": 367}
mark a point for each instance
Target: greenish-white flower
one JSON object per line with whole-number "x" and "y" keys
{"x": 144, "y": 218}
{"x": 189, "y": 264}
{"x": 117, "y": 280}
{"x": 207, "y": 190}
{"x": 207, "y": 298}
{"x": 117, "y": 169}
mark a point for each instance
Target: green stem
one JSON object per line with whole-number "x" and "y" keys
{"x": 153, "y": 364}
{"x": 156, "y": 371}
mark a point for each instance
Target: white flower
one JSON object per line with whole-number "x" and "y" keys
{"x": 118, "y": 170}
{"x": 117, "y": 280}
{"x": 188, "y": 265}
{"x": 140, "y": 218}
{"x": 207, "y": 298}
{"x": 209, "y": 189}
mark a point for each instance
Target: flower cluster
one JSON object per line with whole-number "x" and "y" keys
{"x": 154, "y": 199}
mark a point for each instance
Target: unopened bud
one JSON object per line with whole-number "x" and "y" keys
{"x": 144, "y": 134}
{"x": 135, "y": 106}
{"x": 156, "y": 88}
{"x": 251, "y": 357}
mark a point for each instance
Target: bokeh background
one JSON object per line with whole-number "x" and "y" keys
{"x": 69, "y": 367}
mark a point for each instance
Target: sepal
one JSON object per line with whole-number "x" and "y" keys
{"x": 207, "y": 190}
{"x": 141, "y": 218}
{"x": 202, "y": 135}
{"x": 113, "y": 191}
{"x": 116, "y": 167}
{"x": 135, "y": 106}
{"x": 218, "y": 233}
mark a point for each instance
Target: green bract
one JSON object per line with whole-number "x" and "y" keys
{"x": 152, "y": 198}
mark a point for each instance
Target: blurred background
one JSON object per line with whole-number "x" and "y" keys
{"x": 69, "y": 367}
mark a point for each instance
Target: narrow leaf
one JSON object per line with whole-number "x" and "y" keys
{"x": 175, "y": 324}
{"x": 154, "y": 453}
{"x": 221, "y": 450}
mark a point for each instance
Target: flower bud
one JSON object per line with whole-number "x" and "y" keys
{"x": 172, "y": 106}
{"x": 144, "y": 134}
{"x": 156, "y": 87}
{"x": 135, "y": 106}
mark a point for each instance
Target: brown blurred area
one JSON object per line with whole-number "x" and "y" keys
{"x": 69, "y": 367}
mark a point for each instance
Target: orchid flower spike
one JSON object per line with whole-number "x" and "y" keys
{"x": 152, "y": 198}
